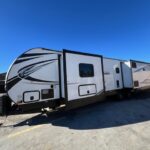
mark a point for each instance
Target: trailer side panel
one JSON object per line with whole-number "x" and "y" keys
{"x": 112, "y": 74}
{"x": 84, "y": 75}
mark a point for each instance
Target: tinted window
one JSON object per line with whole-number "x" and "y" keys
{"x": 86, "y": 70}
{"x": 117, "y": 70}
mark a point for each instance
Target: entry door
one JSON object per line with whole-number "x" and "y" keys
{"x": 83, "y": 75}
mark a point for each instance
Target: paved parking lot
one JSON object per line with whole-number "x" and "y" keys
{"x": 110, "y": 125}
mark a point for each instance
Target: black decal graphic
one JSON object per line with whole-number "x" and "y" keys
{"x": 26, "y": 71}
{"x": 34, "y": 54}
{"x": 13, "y": 82}
{"x": 38, "y": 80}
{"x": 23, "y": 60}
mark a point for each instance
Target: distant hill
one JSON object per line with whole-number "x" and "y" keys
{"x": 2, "y": 76}
{"x": 2, "y": 82}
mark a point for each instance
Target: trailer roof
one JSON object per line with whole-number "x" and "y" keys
{"x": 81, "y": 53}
{"x": 115, "y": 59}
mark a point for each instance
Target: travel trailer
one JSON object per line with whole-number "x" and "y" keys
{"x": 140, "y": 74}
{"x": 47, "y": 78}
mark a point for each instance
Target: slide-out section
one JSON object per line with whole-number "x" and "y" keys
{"x": 84, "y": 75}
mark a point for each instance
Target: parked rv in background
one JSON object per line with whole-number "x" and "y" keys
{"x": 2, "y": 82}
{"x": 140, "y": 74}
{"x": 47, "y": 78}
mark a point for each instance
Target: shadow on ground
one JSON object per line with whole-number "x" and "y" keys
{"x": 101, "y": 115}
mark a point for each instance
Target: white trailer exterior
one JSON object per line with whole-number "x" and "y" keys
{"x": 140, "y": 74}
{"x": 35, "y": 76}
{"x": 84, "y": 75}
{"x": 51, "y": 78}
{"x": 127, "y": 75}
{"x": 113, "y": 74}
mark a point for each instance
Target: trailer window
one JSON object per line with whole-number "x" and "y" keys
{"x": 86, "y": 70}
{"x": 118, "y": 83}
{"x": 117, "y": 70}
{"x": 134, "y": 65}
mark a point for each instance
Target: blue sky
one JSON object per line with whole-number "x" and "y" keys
{"x": 113, "y": 28}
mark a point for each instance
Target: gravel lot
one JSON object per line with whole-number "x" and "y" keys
{"x": 110, "y": 125}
